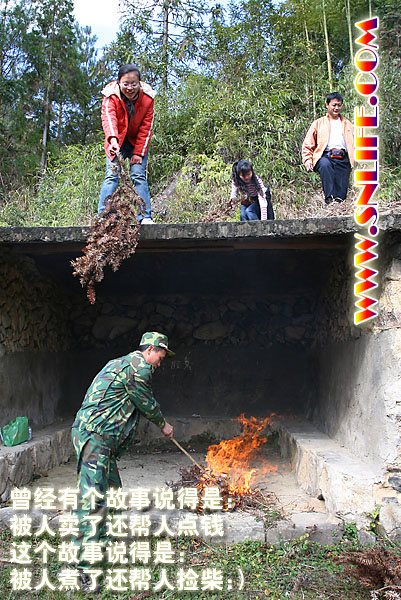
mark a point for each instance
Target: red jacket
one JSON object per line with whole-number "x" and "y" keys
{"x": 115, "y": 118}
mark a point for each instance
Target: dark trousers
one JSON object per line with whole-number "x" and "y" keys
{"x": 334, "y": 175}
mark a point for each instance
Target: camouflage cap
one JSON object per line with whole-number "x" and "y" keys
{"x": 153, "y": 338}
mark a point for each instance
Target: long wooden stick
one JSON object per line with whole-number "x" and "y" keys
{"x": 189, "y": 456}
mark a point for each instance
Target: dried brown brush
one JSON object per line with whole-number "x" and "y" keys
{"x": 376, "y": 568}
{"x": 113, "y": 237}
{"x": 219, "y": 213}
{"x": 231, "y": 500}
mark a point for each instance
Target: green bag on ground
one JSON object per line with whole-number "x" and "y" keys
{"x": 15, "y": 432}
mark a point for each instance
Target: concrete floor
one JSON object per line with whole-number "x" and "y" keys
{"x": 288, "y": 514}
{"x": 155, "y": 469}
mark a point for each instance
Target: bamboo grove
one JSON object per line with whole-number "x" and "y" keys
{"x": 241, "y": 79}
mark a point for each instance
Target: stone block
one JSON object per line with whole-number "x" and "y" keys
{"x": 239, "y": 529}
{"x": 294, "y": 333}
{"x": 325, "y": 469}
{"x": 165, "y": 310}
{"x": 395, "y": 482}
{"x": 318, "y": 527}
{"x": 63, "y": 437}
{"x": 23, "y": 465}
{"x": 211, "y": 331}
{"x": 4, "y": 469}
{"x": 6, "y": 514}
{"x": 394, "y": 271}
{"x": 111, "y": 327}
{"x": 237, "y": 306}
{"x": 45, "y": 451}
{"x": 43, "y": 456}
{"x": 365, "y": 538}
{"x": 390, "y": 518}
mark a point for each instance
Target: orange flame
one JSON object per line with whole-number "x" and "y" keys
{"x": 234, "y": 457}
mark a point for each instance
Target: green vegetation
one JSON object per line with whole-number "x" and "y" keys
{"x": 299, "y": 570}
{"x": 238, "y": 82}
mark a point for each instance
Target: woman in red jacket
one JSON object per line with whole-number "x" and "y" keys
{"x": 127, "y": 119}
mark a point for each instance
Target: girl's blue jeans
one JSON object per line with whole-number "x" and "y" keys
{"x": 138, "y": 176}
{"x": 250, "y": 213}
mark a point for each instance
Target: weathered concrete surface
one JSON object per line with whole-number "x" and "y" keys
{"x": 359, "y": 384}
{"x": 204, "y": 231}
{"x": 321, "y": 528}
{"x": 301, "y": 512}
{"x": 48, "y": 449}
{"x": 325, "y": 469}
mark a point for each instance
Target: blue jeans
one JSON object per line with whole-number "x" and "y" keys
{"x": 251, "y": 212}
{"x": 138, "y": 176}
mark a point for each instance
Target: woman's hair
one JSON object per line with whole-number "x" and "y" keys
{"x": 242, "y": 167}
{"x": 128, "y": 69}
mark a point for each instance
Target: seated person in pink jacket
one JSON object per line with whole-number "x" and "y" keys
{"x": 256, "y": 198}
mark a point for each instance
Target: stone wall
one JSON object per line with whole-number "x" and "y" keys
{"x": 235, "y": 353}
{"x": 34, "y": 332}
{"x": 33, "y": 311}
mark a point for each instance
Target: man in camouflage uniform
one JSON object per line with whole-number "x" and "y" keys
{"x": 105, "y": 427}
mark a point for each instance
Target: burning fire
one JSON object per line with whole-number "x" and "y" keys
{"x": 233, "y": 458}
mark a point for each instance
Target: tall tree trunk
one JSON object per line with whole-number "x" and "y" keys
{"x": 47, "y": 105}
{"x": 2, "y": 37}
{"x": 311, "y": 66}
{"x": 46, "y": 116}
{"x": 326, "y": 39}
{"x": 166, "y": 6}
{"x": 60, "y": 121}
{"x": 85, "y": 127}
{"x": 348, "y": 13}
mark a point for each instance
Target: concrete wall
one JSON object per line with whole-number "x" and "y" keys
{"x": 359, "y": 395}
{"x": 358, "y": 387}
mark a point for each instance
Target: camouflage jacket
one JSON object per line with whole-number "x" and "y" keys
{"x": 116, "y": 398}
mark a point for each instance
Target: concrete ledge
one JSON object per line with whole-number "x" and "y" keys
{"x": 48, "y": 448}
{"x": 323, "y": 468}
{"x": 52, "y": 446}
{"x": 234, "y": 230}
{"x": 326, "y": 470}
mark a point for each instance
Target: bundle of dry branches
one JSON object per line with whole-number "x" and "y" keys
{"x": 376, "y": 568}
{"x": 194, "y": 477}
{"x": 113, "y": 237}
{"x": 220, "y": 212}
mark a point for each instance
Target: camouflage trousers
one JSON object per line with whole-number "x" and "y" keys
{"x": 97, "y": 472}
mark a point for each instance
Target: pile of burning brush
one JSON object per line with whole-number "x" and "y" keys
{"x": 229, "y": 468}
{"x": 232, "y": 498}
